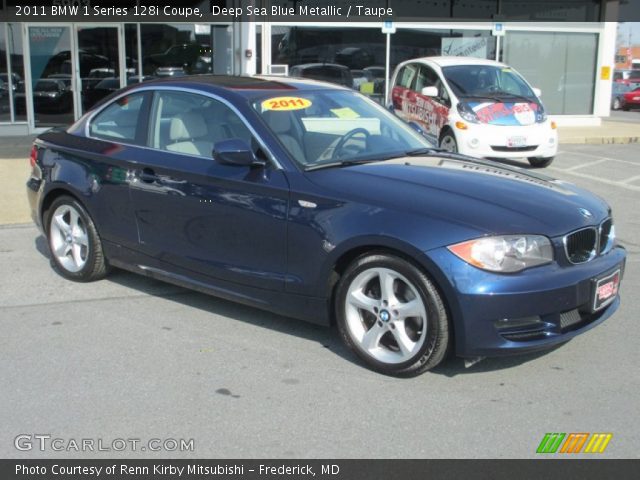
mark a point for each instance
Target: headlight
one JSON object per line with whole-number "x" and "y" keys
{"x": 541, "y": 115}
{"x": 467, "y": 113}
{"x": 508, "y": 253}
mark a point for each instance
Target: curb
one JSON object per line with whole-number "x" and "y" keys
{"x": 599, "y": 140}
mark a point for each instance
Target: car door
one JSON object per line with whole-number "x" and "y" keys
{"x": 431, "y": 112}
{"x": 115, "y": 145}
{"x": 223, "y": 221}
{"x": 402, "y": 94}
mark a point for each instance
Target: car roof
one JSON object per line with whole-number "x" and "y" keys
{"x": 447, "y": 61}
{"x": 317, "y": 65}
{"x": 240, "y": 84}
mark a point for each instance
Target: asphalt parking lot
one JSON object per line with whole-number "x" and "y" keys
{"x": 129, "y": 357}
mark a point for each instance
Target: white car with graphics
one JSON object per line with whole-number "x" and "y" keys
{"x": 477, "y": 107}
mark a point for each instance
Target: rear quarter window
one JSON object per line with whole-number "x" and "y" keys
{"x": 406, "y": 76}
{"x": 120, "y": 120}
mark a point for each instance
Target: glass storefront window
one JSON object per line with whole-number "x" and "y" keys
{"x": 352, "y": 57}
{"x": 5, "y": 109}
{"x": 16, "y": 61}
{"x": 407, "y": 44}
{"x": 50, "y": 75}
{"x": 568, "y": 80}
{"x": 99, "y": 63}
{"x": 356, "y": 56}
{"x": 11, "y": 73}
{"x": 186, "y": 49}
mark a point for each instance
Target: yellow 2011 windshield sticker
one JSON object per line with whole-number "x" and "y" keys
{"x": 285, "y": 103}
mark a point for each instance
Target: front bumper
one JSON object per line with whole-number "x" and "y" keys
{"x": 501, "y": 314}
{"x": 492, "y": 141}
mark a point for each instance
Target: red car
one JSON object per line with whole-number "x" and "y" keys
{"x": 631, "y": 99}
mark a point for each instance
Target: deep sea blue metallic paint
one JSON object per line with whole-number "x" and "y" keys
{"x": 278, "y": 237}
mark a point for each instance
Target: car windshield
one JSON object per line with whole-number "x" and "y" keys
{"x": 486, "y": 81}
{"x": 333, "y": 126}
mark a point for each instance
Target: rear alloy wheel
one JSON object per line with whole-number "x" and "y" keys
{"x": 76, "y": 249}
{"x": 391, "y": 315}
{"x": 540, "y": 162}
{"x": 448, "y": 143}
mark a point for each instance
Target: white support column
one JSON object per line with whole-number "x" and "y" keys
{"x": 606, "y": 58}
{"x": 266, "y": 47}
{"x": 247, "y": 43}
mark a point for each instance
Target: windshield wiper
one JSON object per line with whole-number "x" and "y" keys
{"x": 424, "y": 151}
{"x": 500, "y": 96}
{"x": 355, "y": 161}
{"x": 516, "y": 96}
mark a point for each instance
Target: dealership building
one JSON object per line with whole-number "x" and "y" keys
{"x": 51, "y": 73}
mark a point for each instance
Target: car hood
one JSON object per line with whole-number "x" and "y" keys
{"x": 505, "y": 113}
{"x": 487, "y": 196}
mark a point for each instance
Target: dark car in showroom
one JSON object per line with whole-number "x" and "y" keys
{"x": 192, "y": 57}
{"x": 312, "y": 201}
{"x": 52, "y": 95}
{"x": 326, "y": 72}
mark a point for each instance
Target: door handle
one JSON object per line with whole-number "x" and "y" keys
{"x": 147, "y": 175}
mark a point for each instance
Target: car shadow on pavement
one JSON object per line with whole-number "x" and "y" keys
{"x": 325, "y": 337}
{"x": 456, "y": 366}
{"x": 522, "y": 163}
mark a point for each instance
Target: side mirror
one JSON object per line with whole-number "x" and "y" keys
{"x": 537, "y": 91}
{"x": 429, "y": 91}
{"x": 235, "y": 152}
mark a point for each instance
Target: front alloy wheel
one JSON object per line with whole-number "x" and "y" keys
{"x": 391, "y": 315}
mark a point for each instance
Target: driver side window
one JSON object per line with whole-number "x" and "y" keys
{"x": 191, "y": 124}
{"x": 427, "y": 77}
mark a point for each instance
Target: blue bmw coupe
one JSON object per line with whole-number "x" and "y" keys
{"x": 310, "y": 200}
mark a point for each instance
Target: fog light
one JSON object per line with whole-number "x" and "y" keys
{"x": 553, "y": 125}
{"x": 461, "y": 125}
{"x": 518, "y": 323}
{"x": 473, "y": 143}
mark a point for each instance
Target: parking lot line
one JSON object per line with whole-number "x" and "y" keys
{"x": 614, "y": 183}
{"x": 631, "y": 179}
{"x": 590, "y": 164}
{"x": 599, "y": 157}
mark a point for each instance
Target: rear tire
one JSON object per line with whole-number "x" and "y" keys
{"x": 540, "y": 162}
{"x": 75, "y": 246}
{"x": 391, "y": 315}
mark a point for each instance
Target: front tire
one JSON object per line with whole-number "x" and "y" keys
{"x": 616, "y": 104}
{"x": 391, "y": 315}
{"x": 540, "y": 162}
{"x": 448, "y": 142}
{"x": 74, "y": 243}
